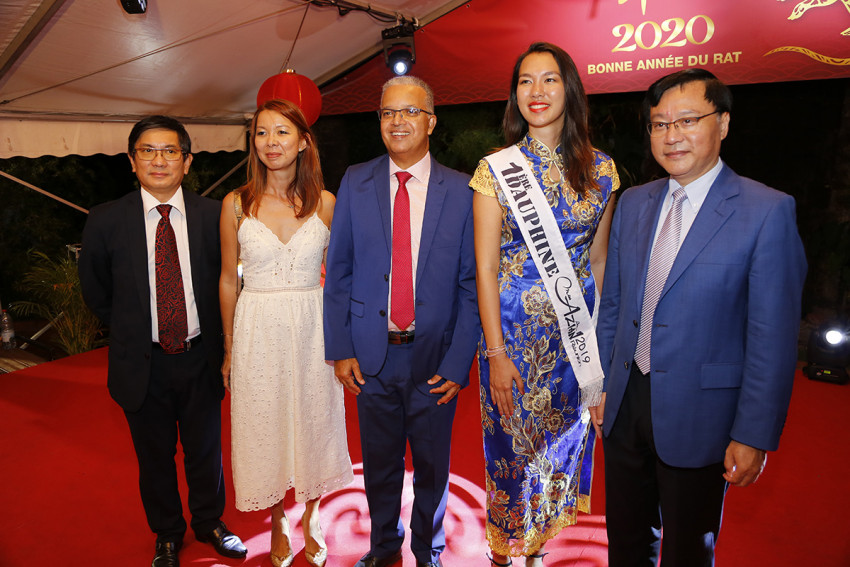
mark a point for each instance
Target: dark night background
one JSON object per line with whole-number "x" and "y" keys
{"x": 792, "y": 136}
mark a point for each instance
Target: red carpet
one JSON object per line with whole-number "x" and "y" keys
{"x": 69, "y": 487}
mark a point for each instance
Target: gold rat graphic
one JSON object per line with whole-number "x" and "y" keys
{"x": 802, "y": 7}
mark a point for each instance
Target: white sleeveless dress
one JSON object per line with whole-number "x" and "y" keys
{"x": 286, "y": 405}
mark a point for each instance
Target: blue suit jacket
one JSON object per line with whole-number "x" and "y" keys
{"x": 724, "y": 341}
{"x": 358, "y": 268}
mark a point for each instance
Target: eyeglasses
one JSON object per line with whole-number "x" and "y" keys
{"x": 387, "y": 114}
{"x": 686, "y": 124}
{"x": 149, "y": 154}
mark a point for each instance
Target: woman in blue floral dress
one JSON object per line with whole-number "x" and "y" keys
{"x": 537, "y": 443}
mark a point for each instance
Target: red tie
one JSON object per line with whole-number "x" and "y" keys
{"x": 170, "y": 299}
{"x": 402, "y": 291}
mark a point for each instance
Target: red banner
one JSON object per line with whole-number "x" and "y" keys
{"x": 618, "y": 45}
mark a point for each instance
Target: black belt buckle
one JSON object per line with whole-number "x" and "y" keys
{"x": 400, "y": 337}
{"x": 191, "y": 343}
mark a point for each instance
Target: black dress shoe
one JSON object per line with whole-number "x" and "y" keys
{"x": 437, "y": 563}
{"x": 370, "y": 560}
{"x": 225, "y": 542}
{"x": 166, "y": 554}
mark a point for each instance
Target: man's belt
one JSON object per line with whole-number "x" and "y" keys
{"x": 187, "y": 346}
{"x": 400, "y": 337}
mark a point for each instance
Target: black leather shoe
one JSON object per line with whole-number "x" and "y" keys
{"x": 166, "y": 554}
{"x": 437, "y": 563}
{"x": 225, "y": 542}
{"x": 370, "y": 560}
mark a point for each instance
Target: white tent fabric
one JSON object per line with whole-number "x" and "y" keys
{"x": 33, "y": 138}
{"x": 88, "y": 70}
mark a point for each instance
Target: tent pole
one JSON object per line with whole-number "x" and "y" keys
{"x": 226, "y": 175}
{"x": 28, "y": 32}
{"x": 43, "y": 192}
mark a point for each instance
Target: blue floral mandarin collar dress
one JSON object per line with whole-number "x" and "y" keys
{"x": 539, "y": 461}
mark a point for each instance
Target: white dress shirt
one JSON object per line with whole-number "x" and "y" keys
{"x": 177, "y": 216}
{"x": 697, "y": 191}
{"x": 417, "y": 189}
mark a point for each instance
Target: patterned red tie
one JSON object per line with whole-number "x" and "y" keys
{"x": 170, "y": 299}
{"x": 402, "y": 290}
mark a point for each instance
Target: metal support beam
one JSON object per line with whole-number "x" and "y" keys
{"x": 29, "y": 31}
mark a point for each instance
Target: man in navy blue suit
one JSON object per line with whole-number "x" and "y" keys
{"x": 697, "y": 332}
{"x": 401, "y": 319}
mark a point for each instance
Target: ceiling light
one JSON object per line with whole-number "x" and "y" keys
{"x": 399, "y": 49}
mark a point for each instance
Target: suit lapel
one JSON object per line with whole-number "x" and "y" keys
{"x": 713, "y": 213}
{"x": 381, "y": 181}
{"x": 195, "y": 232}
{"x": 137, "y": 242}
{"x": 436, "y": 196}
{"x": 648, "y": 220}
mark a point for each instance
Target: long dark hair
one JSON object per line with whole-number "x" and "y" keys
{"x": 308, "y": 183}
{"x": 575, "y": 136}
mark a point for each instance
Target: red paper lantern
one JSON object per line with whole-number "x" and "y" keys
{"x": 296, "y": 88}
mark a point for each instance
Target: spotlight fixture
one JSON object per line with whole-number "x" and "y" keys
{"x": 400, "y": 61}
{"x": 829, "y": 353}
{"x": 399, "y": 49}
{"x": 134, "y": 6}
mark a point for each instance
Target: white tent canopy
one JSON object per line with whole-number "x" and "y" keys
{"x": 75, "y": 74}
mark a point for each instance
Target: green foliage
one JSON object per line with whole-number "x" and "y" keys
{"x": 208, "y": 168}
{"x": 55, "y": 287}
{"x": 30, "y": 220}
{"x": 617, "y": 130}
{"x": 466, "y": 133}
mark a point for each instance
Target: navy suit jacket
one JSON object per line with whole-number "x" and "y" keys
{"x": 724, "y": 340}
{"x": 358, "y": 268}
{"x": 114, "y": 279}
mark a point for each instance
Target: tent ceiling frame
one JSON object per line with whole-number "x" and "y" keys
{"x": 367, "y": 54}
{"x": 28, "y": 33}
{"x": 80, "y": 117}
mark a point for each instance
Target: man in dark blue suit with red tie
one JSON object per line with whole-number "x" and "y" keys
{"x": 697, "y": 332}
{"x": 401, "y": 320}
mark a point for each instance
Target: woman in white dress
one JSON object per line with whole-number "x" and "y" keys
{"x": 287, "y": 413}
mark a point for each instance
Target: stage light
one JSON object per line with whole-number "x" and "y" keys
{"x": 134, "y": 6}
{"x": 833, "y": 336}
{"x": 829, "y": 353}
{"x": 400, "y": 61}
{"x": 399, "y": 49}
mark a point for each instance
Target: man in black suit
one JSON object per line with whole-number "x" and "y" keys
{"x": 149, "y": 269}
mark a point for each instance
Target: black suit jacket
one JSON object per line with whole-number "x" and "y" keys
{"x": 114, "y": 278}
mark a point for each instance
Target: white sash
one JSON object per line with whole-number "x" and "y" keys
{"x": 546, "y": 245}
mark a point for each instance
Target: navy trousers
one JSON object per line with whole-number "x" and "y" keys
{"x": 392, "y": 412}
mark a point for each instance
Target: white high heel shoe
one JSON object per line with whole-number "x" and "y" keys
{"x": 278, "y": 561}
{"x": 318, "y": 558}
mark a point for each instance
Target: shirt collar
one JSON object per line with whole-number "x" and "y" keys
{"x": 149, "y": 202}
{"x": 418, "y": 170}
{"x": 697, "y": 190}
